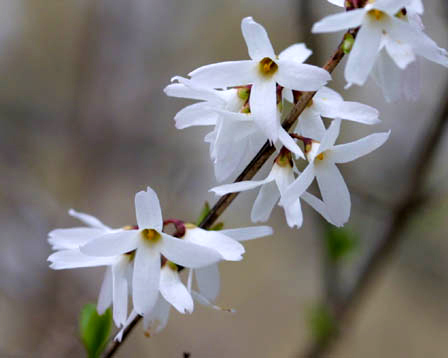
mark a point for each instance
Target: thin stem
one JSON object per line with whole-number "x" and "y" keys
{"x": 249, "y": 172}
{"x": 401, "y": 216}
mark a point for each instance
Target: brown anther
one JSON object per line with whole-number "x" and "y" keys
{"x": 147, "y": 334}
{"x": 310, "y": 103}
{"x": 267, "y": 66}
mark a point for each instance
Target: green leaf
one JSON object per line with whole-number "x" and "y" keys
{"x": 204, "y": 212}
{"x": 340, "y": 242}
{"x": 94, "y": 329}
{"x": 321, "y": 322}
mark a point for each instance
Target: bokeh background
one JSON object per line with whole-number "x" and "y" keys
{"x": 84, "y": 124}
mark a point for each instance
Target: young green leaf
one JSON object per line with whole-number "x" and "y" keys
{"x": 94, "y": 329}
{"x": 340, "y": 242}
{"x": 321, "y": 322}
{"x": 204, "y": 212}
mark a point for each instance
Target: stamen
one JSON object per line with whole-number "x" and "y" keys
{"x": 267, "y": 66}
{"x": 376, "y": 14}
{"x": 151, "y": 235}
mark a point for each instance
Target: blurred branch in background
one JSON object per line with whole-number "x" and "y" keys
{"x": 344, "y": 307}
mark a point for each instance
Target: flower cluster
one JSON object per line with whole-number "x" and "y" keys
{"x": 390, "y": 38}
{"x": 145, "y": 262}
{"x": 245, "y": 102}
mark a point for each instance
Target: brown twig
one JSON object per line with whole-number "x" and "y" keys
{"x": 249, "y": 172}
{"x": 401, "y": 216}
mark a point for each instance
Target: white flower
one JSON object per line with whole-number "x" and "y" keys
{"x": 263, "y": 72}
{"x": 233, "y": 143}
{"x": 330, "y": 104}
{"x": 245, "y": 125}
{"x": 273, "y": 188}
{"x": 154, "y": 321}
{"x": 208, "y": 278}
{"x": 114, "y": 288}
{"x": 323, "y": 158}
{"x": 202, "y": 114}
{"x": 378, "y": 18}
{"x": 150, "y": 243}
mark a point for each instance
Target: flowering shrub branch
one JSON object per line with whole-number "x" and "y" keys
{"x": 249, "y": 102}
{"x": 251, "y": 169}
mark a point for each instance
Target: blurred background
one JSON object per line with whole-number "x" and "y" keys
{"x": 84, "y": 124}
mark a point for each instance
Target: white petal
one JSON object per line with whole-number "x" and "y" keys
{"x": 198, "y": 114}
{"x": 297, "y": 52}
{"x": 257, "y": 39}
{"x": 87, "y": 219}
{"x": 148, "y": 211}
{"x": 363, "y": 54}
{"x": 412, "y": 82}
{"x": 286, "y": 140}
{"x": 248, "y": 233}
{"x": 265, "y": 202}
{"x": 188, "y": 89}
{"x": 263, "y": 105}
{"x": 330, "y": 136}
{"x": 310, "y": 125}
{"x": 388, "y": 77}
{"x": 326, "y": 94}
{"x": 174, "y": 291}
{"x": 68, "y": 259}
{"x": 188, "y": 254}
{"x": 105, "y": 296}
{"x": 293, "y": 214}
{"x": 416, "y": 6}
{"x": 357, "y": 112}
{"x": 317, "y": 205}
{"x": 337, "y": 2}
{"x": 146, "y": 276}
{"x": 345, "y": 153}
{"x": 334, "y": 192}
{"x": 421, "y": 43}
{"x": 229, "y": 249}
{"x": 120, "y": 290}
{"x": 209, "y": 281}
{"x": 130, "y": 319}
{"x": 239, "y": 186}
{"x": 301, "y": 77}
{"x": 226, "y": 74}
{"x": 338, "y": 22}
{"x": 112, "y": 244}
{"x": 157, "y": 319}
{"x": 391, "y": 6}
{"x": 401, "y": 53}
{"x": 284, "y": 176}
{"x": 72, "y": 238}
{"x": 299, "y": 186}
{"x": 206, "y": 302}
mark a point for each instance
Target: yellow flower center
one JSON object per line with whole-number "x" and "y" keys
{"x": 320, "y": 156}
{"x": 267, "y": 66}
{"x": 376, "y": 14}
{"x": 151, "y": 235}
